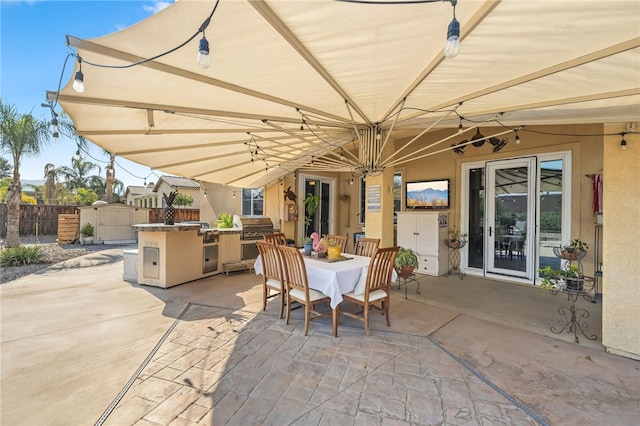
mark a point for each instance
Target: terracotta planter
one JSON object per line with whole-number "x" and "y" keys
{"x": 405, "y": 271}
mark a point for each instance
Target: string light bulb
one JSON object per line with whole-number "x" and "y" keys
{"x": 452, "y": 48}
{"x": 54, "y": 125}
{"x": 460, "y": 128}
{"x": 623, "y": 143}
{"x": 517, "y": 138}
{"x": 56, "y": 135}
{"x": 203, "y": 53}
{"x": 78, "y": 81}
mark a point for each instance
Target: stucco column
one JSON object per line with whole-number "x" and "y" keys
{"x": 621, "y": 243}
{"x": 379, "y": 223}
{"x": 379, "y": 214}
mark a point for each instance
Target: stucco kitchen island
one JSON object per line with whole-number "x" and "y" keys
{"x": 169, "y": 255}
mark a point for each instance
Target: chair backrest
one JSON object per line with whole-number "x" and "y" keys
{"x": 381, "y": 269}
{"x": 366, "y": 246}
{"x": 278, "y": 238}
{"x": 271, "y": 262}
{"x": 295, "y": 271}
{"x": 342, "y": 239}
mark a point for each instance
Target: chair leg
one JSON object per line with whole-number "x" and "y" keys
{"x": 336, "y": 320}
{"x": 288, "y": 308}
{"x": 264, "y": 297}
{"x": 366, "y": 320}
{"x": 385, "y": 306}
{"x": 281, "y": 304}
{"x": 307, "y": 314}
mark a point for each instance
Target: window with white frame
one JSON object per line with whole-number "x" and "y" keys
{"x": 253, "y": 201}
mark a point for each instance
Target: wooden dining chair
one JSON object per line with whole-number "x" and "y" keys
{"x": 272, "y": 274}
{"x": 377, "y": 287}
{"x": 297, "y": 288}
{"x": 278, "y": 238}
{"x": 366, "y": 246}
{"x": 341, "y": 239}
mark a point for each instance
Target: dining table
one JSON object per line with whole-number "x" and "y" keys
{"x": 331, "y": 277}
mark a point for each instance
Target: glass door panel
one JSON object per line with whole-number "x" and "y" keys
{"x": 510, "y": 218}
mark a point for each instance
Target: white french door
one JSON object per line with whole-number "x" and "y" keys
{"x": 510, "y": 218}
{"x": 515, "y": 212}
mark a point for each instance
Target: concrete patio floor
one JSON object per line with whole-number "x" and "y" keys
{"x": 81, "y": 346}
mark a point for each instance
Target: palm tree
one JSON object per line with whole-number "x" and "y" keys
{"x": 22, "y": 135}
{"x": 5, "y": 168}
{"x": 111, "y": 176}
{"x": 51, "y": 174}
{"x": 78, "y": 175}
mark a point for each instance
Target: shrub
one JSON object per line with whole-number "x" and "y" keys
{"x": 21, "y": 255}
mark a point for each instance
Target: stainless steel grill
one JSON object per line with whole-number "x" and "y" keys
{"x": 253, "y": 227}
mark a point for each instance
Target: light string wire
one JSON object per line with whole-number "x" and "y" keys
{"x": 202, "y": 28}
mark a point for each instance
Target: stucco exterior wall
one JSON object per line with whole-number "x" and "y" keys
{"x": 218, "y": 199}
{"x": 621, "y": 244}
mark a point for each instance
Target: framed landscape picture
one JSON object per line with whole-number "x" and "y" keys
{"x": 427, "y": 194}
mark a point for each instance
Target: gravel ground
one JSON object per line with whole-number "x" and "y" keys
{"x": 53, "y": 253}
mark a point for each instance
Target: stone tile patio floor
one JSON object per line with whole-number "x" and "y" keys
{"x": 220, "y": 366}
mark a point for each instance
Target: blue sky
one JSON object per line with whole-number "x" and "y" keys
{"x": 32, "y": 54}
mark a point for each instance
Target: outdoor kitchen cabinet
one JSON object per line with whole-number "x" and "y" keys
{"x": 229, "y": 246}
{"x": 169, "y": 255}
{"x": 424, "y": 233}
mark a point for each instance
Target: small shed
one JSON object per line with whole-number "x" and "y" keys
{"x": 113, "y": 222}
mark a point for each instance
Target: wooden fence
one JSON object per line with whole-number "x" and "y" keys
{"x": 43, "y": 219}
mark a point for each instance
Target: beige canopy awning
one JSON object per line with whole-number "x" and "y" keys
{"x": 321, "y": 84}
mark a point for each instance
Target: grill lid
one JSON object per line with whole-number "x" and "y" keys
{"x": 252, "y": 222}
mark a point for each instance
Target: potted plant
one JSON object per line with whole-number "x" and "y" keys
{"x": 456, "y": 238}
{"x": 311, "y": 204}
{"x": 406, "y": 262}
{"x": 575, "y": 250}
{"x": 225, "y": 220}
{"x": 86, "y": 232}
{"x": 307, "y": 243}
{"x": 569, "y": 278}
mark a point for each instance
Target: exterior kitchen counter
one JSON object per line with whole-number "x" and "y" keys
{"x": 159, "y": 227}
{"x": 169, "y": 255}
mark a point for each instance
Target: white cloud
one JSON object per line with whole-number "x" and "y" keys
{"x": 157, "y": 6}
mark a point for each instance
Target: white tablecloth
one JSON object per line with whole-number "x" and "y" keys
{"x": 331, "y": 278}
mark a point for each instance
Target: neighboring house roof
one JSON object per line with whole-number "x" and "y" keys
{"x": 177, "y": 182}
{"x": 138, "y": 190}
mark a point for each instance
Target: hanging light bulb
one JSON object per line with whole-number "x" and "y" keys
{"x": 623, "y": 143}
{"x": 517, "y": 138}
{"x": 56, "y": 135}
{"x": 203, "y": 53}
{"x": 54, "y": 125}
{"x": 77, "y": 155}
{"x": 78, "y": 81}
{"x": 452, "y": 47}
{"x": 460, "y": 128}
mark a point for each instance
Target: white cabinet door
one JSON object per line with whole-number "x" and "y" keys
{"x": 428, "y": 234}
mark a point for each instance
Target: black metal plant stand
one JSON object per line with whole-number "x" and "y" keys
{"x": 454, "y": 256}
{"x": 574, "y": 319}
{"x": 406, "y": 279}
